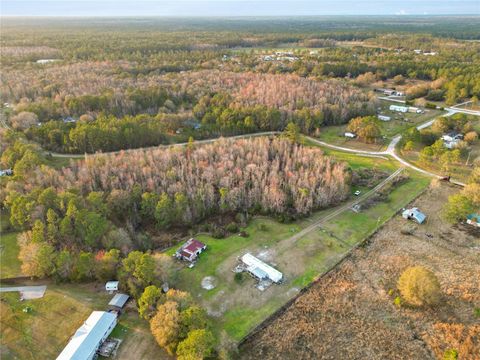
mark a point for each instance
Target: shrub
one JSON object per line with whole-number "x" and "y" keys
{"x": 397, "y": 301}
{"x": 476, "y": 312}
{"x": 218, "y": 233}
{"x": 239, "y": 277}
{"x": 450, "y": 354}
{"x": 232, "y": 227}
{"x": 408, "y": 229}
{"x": 419, "y": 286}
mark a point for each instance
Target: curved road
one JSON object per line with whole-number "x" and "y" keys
{"x": 390, "y": 151}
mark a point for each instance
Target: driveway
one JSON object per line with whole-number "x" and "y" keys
{"x": 27, "y": 292}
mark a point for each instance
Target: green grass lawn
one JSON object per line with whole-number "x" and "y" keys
{"x": 44, "y": 332}
{"x": 9, "y": 263}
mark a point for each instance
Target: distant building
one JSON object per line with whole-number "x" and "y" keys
{"x": 398, "y": 108}
{"x": 451, "y": 136}
{"x": 111, "y": 286}
{"x": 384, "y": 117}
{"x": 6, "y": 172}
{"x": 474, "y": 219}
{"x": 89, "y": 337}
{"x": 190, "y": 250}
{"x": 69, "y": 119}
{"x": 260, "y": 270}
{"x": 46, "y": 61}
{"x": 413, "y": 109}
{"x": 350, "y": 135}
{"x": 414, "y": 214}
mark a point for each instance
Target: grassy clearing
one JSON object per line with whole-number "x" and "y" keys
{"x": 24, "y": 335}
{"x": 400, "y": 123}
{"x": 43, "y": 333}
{"x": 9, "y": 263}
{"x": 238, "y": 307}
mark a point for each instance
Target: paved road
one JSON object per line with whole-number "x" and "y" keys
{"x": 390, "y": 151}
{"x": 27, "y": 292}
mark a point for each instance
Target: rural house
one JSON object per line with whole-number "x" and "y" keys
{"x": 88, "y": 338}
{"x": 190, "y": 250}
{"x": 452, "y": 136}
{"x": 414, "y": 214}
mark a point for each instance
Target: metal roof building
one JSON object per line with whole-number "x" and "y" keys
{"x": 414, "y": 213}
{"x": 119, "y": 300}
{"x": 261, "y": 270}
{"x": 87, "y": 339}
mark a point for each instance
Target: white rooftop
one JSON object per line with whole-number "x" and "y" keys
{"x": 260, "y": 269}
{"x": 88, "y": 336}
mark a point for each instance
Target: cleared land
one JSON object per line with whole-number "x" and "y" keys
{"x": 9, "y": 263}
{"x": 238, "y": 306}
{"x": 350, "y": 314}
{"x": 400, "y": 122}
{"x": 43, "y": 332}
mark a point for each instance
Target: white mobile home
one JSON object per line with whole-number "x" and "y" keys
{"x": 88, "y": 338}
{"x": 398, "y": 108}
{"x": 111, "y": 286}
{"x": 350, "y": 135}
{"x": 384, "y": 117}
{"x": 260, "y": 270}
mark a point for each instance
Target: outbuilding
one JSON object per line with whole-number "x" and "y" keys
{"x": 119, "y": 300}
{"x": 350, "y": 135}
{"x": 89, "y": 337}
{"x": 384, "y": 117}
{"x": 414, "y": 214}
{"x": 111, "y": 285}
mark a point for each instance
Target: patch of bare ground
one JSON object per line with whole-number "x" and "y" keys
{"x": 350, "y": 314}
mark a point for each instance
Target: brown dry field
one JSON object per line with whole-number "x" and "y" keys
{"x": 349, "y": 313}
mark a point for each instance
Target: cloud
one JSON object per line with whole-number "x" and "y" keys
{"x": 401, "y": 12}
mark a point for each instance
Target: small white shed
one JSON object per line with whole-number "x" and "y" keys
{"x": 111, "y": 286}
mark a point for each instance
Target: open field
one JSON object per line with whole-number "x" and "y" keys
{"x": 238, "y": 306}
{"x": 24, "y": 335}
{"x": 9, "y": 263}
{"x": 350, "y": 312}
{"x": 403, "y": 121}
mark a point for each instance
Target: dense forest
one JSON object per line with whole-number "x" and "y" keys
{"x": 148, "y": 82}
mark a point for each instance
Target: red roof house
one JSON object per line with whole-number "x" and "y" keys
{"x": 190, "y": 250}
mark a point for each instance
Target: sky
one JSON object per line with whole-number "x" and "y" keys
{"x": 188, "y": 8}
